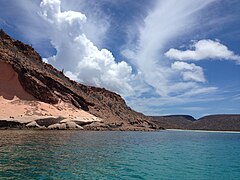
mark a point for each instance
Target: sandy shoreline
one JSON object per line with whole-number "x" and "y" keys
{"x": 202, "y": 131}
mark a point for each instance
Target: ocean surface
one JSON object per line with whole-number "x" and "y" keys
{"x": 119, "y": 155}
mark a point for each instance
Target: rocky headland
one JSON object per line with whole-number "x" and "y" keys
{"x": 34, "y": 94}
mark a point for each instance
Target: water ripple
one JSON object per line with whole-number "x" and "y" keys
{"x": 118, "y": 155}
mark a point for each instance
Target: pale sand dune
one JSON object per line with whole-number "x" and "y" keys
{"x": 18, "y": 105}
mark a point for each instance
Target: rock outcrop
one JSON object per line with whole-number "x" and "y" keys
{"x": 49, "y": 85}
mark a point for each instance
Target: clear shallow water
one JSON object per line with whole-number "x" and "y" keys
{"x": 119, "y": 155}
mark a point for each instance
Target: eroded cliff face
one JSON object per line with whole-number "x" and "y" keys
{"x": 48, "y": 85}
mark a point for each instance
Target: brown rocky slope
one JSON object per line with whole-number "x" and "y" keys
{"x": 48, "y": 85}
{"x": 173, "y": 121}
{"x": 219, "y": 122}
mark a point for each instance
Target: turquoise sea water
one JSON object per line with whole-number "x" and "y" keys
{"x": 119, "y": 155}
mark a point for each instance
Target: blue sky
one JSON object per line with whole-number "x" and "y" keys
{"x": 163, "y": 56}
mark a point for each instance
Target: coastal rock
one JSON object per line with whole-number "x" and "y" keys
{"x": 81, "y": 121}
{"x": 4, "y": 124}
{"x": 66, "y": 125}
{"x": 33, "y": 124}
{"x": 73, "y": 125}
{"x": 48, "y": 121}
{"x": 44, "y": 85}
{"x": 58, "y": 126}
{"x": 115, "y": 125}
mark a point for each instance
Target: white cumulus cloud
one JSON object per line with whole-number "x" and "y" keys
{"x": 189, "y": 72}
{"x": 204, "y": 49}
{"x": 78, "y": 56}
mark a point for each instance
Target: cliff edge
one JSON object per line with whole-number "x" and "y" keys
{"x": 35, "y": 94}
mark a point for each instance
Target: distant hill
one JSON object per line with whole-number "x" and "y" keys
{"x": 221, "y": 122}
{"x": 173, "y": 121}
{"x": 226, "y": 122}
